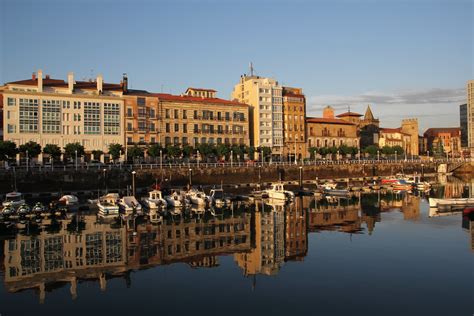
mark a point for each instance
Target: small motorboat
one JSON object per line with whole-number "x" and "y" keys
{"x": 8, "y": 211}
{"x": 218, "y": 198}
{"x": 278, "y": 192}
{"x": 451, "y": 202}
{"x": 24, "y": 210}
{"x": 402, "y": 185}
{"x": 108, "y": 205}
{"x": 14, "y": 199}
{"x": 175, "y": 199}
{"x": 130, "y": 205}
{"x": 197, "y": 197}
{"x": 38, "y": 208}
{"x": 69, "y": 200}
{"x": 154, "y": 200}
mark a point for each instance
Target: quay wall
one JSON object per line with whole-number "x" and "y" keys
{"x": 90, "y": 180}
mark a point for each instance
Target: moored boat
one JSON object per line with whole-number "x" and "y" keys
{"x": 451, "y": 202}
{"x": 14, "y": 199}
{"x": 108, "y": 205}
{"x": 278, "y": 192}
{"x": 154, "y": 200}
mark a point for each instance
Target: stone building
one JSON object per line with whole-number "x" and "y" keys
{"x": 448, "y": 138}
{"x": 463, "y": 123}
{"x": 328, "y": 131}
{"x": 192, "y": 120}
{"x": 294, "y": 128}
{"x": 470, "y": 116}
{"x": 394, "y": 137}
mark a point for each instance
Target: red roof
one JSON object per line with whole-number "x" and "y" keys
{"x": 349, "y": 114}
{"x": 327, "y": 121}
{"x": 185, "y": 98}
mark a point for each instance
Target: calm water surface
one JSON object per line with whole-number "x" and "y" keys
{"x": 378, "y": 255}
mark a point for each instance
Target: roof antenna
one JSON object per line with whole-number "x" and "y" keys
{"x": 349, "y": 108}
{"x": 251, "y": 69}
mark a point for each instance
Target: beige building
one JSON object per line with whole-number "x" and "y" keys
{"x": 294, "y": 128}
{"x": 394, "y": 137}
{"x": 52, "y": 111}
{"x": 198, "y": 117}
{"x": 264, "y": 95}
{"x": 328, "y": 131}
{"x": 470, "y": 116}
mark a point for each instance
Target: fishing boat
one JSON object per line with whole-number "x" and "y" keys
{"x": 175, "y": 199}
{"x": 197, "y": 197}
{"x": 451, "y": 202}
{"x": 154, "y": 200}
{"x": 108, "y": 205}
{"x": 14, "y": 199}
{"x": 130, "y": 205}
{"x": 402, "y": 185}
{"x": 277, "y": 191}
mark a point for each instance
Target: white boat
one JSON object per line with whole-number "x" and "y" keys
{"x": 108, "y": 205}
{"x": 217, "y": 197}
{"x": 14, "y": 199}
{"x": 174, "y": 199}
{"x": 38, "y": 208}
{"x": 434, "y": 212}
{"x": 197, "y": 197}
{"x": 278, "y": 192}
{"x": 451, "y": 202}
{"x": 8, "y": 211}
{"x": 69, "y": 200}
{"x": 154, "y": 216}
{"x": 129, "y": 205}
{"x": 154, "y": 200}
{"x": 23, "y": 210}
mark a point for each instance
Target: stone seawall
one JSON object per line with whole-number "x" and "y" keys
{"x": 59, "y": 180}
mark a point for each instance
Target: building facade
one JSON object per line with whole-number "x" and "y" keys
{"x": 328, "y": 131}
{"x": 410, "y": 127}
{"x": 294, "y": 127}
{"x": 470, "y": 116}
{"x": 193, "y": 120}
{"x": 394, "y": 137}
{"x": 264, "y": 95}
{"x": 448, "y": 138}
{"x": 52, "y": 111}
{"x": 463, "y": 123}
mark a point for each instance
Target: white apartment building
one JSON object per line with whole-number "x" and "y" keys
{"x": 264, "y": 95}
{"x": 52, "y": 111}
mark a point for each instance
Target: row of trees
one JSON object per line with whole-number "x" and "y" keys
{"x": 345, "y": 150}
{"x": 9, "y": 150}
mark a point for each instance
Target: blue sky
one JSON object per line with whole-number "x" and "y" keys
{"x": 406, "y": 58}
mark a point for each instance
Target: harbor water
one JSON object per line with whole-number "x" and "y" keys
{"x": 380, "y": 253}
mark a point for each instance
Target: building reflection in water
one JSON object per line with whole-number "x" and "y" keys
{"x": 64, "y": 252}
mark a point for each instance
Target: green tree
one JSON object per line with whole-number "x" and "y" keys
{"x": 205, "y": 150}
{"x": 265, "y": 151}
{"x": 173, "y": 151}
{"x": 398, "y": 149}
{"x": 344, "y": 150}
{"x": 53, "y": 151}
{"x": 251, "y": 152}
{"x": 222, "y": 150}
{"x": 187, "y": 151}
{"x": 135, "y": 152}
{"x": 71, "y": 148}
{"x": 371, "y": 150}
{"x": 312, "y": 152}
{"x": 238, "y": 151}
{"x": 154, "y": 150}
{"x": 33, "y": 149}
{"x": 115, "y": 150}
{"x": 96, "y": 154}
{"x": 8, "y": 150}
{"x": 323, "y": 151}
{"x": 387, "y": 150}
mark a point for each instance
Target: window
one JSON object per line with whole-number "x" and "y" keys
{"x": 11, "y": 101}
{"x": 176, "y": 140}
{"x": 195, "y": 114}
{"x": 152, "y": 113}
{"x": 11, "y": 128}
{"x": 141, "y": 101}
{"x": 92, "y": 118}
{"x": 129, "y": 112}
{"x": 176, "y": 127}
{"x": 167, "y": 113}
{"x": 129, "y": 127}
{"x": 28, "y": 115}
{"x": 52, "y": 116}
{"x": 185, "y": 128}
{"x": 152, "y": 140}
{"x": 184, "y": 141}
{"x": 185, "y": 114}
{"x": 152, "y": 127}
{"x": 176, "y": 114}
{"x": 167, "y": 127}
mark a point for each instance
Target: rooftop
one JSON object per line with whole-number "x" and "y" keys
{"x": 190, "y": 99}
{"x": 349, "y": 114}
{"x": 327, "y": 121}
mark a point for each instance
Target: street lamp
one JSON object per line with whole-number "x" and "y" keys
{"x": 75, "y": 161}
{"x": 133, "y": 182}
{"x": 231, "y": 158}
{"x": 337, "y": 157}
{"x": 27, "y": 161}
{"x": 190, "y": 177}
{"x": 358, "y": 154}
{"x": 161, "y": 161}
{"x": 395, "y": 156}
{"x": 378, "y": 155}
{"x": 105, "y": 179}
{"x": 301, "y": 177}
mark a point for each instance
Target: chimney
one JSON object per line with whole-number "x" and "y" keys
{"x": 40, "y": 80}
{"x": 100, "y": 83}
{"x": 124, "y": 83}
{"x": 47, "y": 77}
{"x": 33, "y": 76}
{"x": 70, "y": 82}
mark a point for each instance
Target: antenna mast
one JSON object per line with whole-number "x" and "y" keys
{"x": 251, "y": 69}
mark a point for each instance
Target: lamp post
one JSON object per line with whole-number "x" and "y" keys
{"x": 161, "y": 160}
{"x": 27, "y": 161}
{"x": 133, "y": 182}
{"x": 301, "y": 177}
{"x": 231, "y": 158}
{"x": 198, "y": 158}
{"x": 395, "y": 156}
{"x": 337, "y": 156}
{"x": 75, "y": 160}
{"x": 105, "y": 179}
{"x": 358, "y": 154}
{"x": 378, "y": 155}
{"x": 190, "y": 177}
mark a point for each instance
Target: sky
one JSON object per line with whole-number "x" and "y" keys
{"x": 406, "y": 58}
